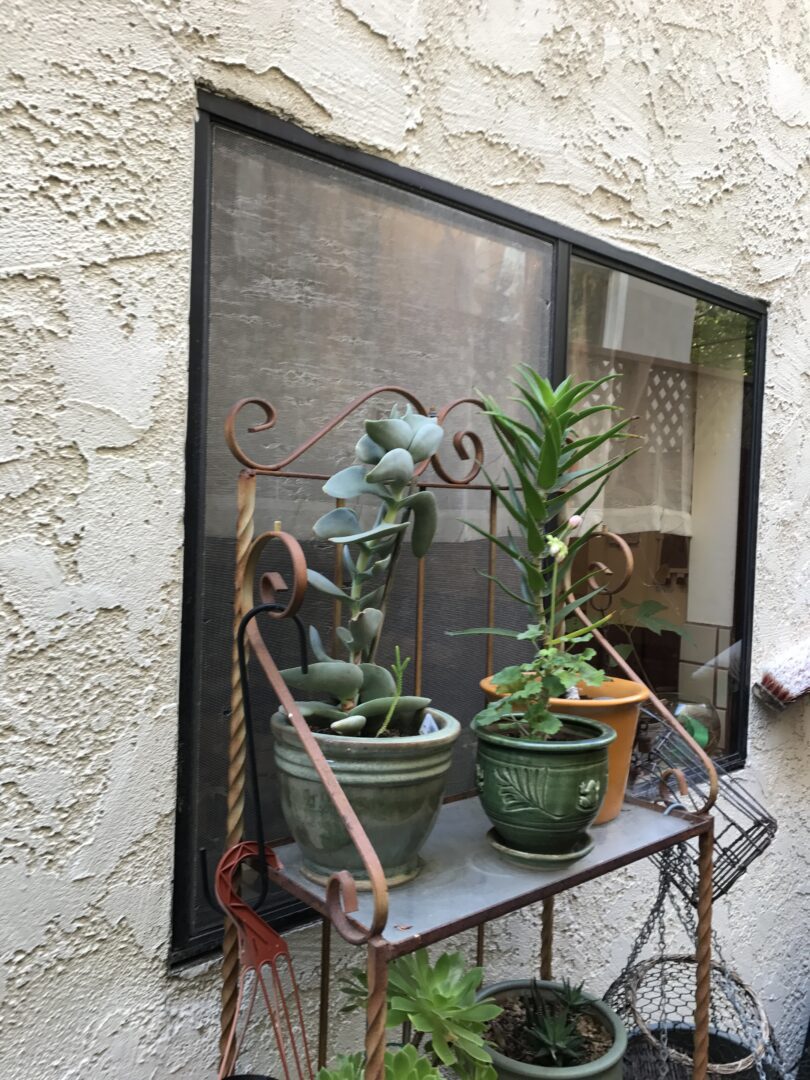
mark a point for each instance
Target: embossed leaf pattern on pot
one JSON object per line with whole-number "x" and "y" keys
{"x": 539, "y": 790}
{"x": 521, "y": 789}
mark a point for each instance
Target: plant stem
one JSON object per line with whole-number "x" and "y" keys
{"x": 398, "y": 668}
{"x": 552, "y": 605}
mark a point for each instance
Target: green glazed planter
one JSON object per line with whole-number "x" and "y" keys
{"x": 607, "y": 1067}
{"x": 542, "y": 796}
{"x": 394, "y": 785}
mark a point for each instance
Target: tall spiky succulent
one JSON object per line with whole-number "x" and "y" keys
{"x": 367, "y": 697}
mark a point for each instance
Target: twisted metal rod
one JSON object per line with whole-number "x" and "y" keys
{"x": 547, "y": 938}
{"x": 703, "y": 954}
{"x": 246, "y": 509}
{"x": 377, "y": 1010}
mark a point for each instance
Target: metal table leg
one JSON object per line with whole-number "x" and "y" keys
{"x": 703, "y": 955}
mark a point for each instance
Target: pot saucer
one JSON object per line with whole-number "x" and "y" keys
{"x": 533, "y": 860}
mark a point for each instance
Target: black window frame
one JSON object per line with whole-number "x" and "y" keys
{"x": 566, "y": 243}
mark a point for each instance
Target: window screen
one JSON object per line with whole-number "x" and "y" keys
{"x": 323, "y": 283}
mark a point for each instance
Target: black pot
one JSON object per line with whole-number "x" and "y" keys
{"x": 641, "y": 1060}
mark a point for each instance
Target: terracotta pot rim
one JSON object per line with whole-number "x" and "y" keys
{"x": 633, "y": 698}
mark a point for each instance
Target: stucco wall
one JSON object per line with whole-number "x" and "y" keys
{"x": 680, "y": 130}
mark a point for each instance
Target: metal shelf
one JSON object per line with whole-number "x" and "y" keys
{"x": 465, "y": 883}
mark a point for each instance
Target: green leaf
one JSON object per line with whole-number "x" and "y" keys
{"x": 367, "y": 451}
{"x": 317, "y": 645}
{"x": 395, "y": 467}
{"x": 319, "y": 710}
{"x": 339, "y": 522}
{"x": 376, "y": 533}
{"x": 373, "y": 598}
{"x": 646, "y": 614}
{"x": 406, "y": 707}
{"x": 348, "y": 1067}
{"x": 391, "y": 434}
{"x": 350, "y": 483}
{"x": 336, "y": 677}
{"x": 324, "y": 585}
{"x": 426, "y": 440}
{"x": 425, "y": 515}
{"x": 495, "y": 631}
{"x": 378, "y": 682}
{"x": 365, "y": 627}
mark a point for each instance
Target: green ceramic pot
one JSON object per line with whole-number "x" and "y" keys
{"x": 542, "y": 796}
{"x": 394, "y": 785}
{"x": 607, "y": 1067}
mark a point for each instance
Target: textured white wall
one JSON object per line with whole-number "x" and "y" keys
{"x": 680, "y": 130}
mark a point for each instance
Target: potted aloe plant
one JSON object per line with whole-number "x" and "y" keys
{"x": 553, "y": 1031}
{"x": 388, "y": 750}
{"x": 542, "y": 766}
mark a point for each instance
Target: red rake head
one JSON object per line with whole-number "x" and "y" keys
{"x": 263, "y": 953}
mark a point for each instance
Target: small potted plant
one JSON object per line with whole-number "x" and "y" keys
{"x": 389, "y": 753}
{"x": 552, "y": 1031}
{"x": 542, "y": 768}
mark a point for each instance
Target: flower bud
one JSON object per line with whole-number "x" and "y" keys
{"x": 574, "y": 522}
{"x": 557, "y": 549}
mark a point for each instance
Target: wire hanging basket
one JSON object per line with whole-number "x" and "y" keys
{"x": 743, "y": 828}
{"x": 655, "y": 997}
{"x": 739, "y": 1031}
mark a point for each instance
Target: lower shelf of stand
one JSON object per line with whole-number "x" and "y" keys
{"x": 464, "y": 882}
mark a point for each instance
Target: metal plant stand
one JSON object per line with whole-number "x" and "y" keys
{"x": 463, "y": 883}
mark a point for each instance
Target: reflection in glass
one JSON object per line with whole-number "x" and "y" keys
{"x": 683, "y": 369}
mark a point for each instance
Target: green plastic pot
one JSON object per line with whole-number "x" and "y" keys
{"x": 542, "y": 796}
{"x": 394, "y": 785}
{"x": 607, "y": 1067}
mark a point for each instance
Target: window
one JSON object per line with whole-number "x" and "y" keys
{"x": 318, "y": 272}
{"x": 684, "y": 369}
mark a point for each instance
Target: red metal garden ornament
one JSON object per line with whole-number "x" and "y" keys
{"x": 265, "y": 966}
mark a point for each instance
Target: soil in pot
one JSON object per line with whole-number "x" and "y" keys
{"x": 509, "y": 1035}
{"x": 542, "y": 796}
{"x": 603, "y": 1034}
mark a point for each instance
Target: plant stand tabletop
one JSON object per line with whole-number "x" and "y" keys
{"x": 465, "y": 883}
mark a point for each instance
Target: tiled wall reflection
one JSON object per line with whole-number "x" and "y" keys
{"x": 703, "y": 667}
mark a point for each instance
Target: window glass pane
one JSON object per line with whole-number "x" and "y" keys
{"x": 325, "y": 283}
{"x": 683, "y": 368}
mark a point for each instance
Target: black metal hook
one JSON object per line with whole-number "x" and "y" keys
{"x": 250, "y": 748}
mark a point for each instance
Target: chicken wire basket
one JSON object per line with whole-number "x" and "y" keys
{"x": 739, "y": 1032}
{"x": 655, "y": 997}
{"x": 743, "y": 828}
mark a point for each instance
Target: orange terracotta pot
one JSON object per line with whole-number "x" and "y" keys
{"x": 616, "y": 703}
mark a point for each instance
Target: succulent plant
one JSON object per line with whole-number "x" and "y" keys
{"x": 404, "y": 1063}
{"x": 367, "y": 697}
{"x": 552, "y": 1032}
{"x": 438, "y": 1001}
